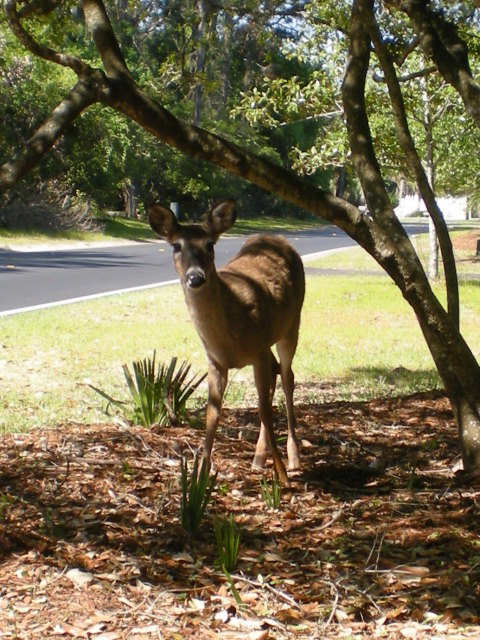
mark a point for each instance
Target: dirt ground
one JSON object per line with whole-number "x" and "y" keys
{"x": 467, "y": 241}
{"x": 377, "y": 537}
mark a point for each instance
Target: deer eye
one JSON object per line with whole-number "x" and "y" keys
{"x": 209, "y": 246}
{"x": 177, "y": 247}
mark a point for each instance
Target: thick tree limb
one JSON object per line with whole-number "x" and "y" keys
{"x": 363, "y": 153}
{"x": 102, "y": 32}
{"x": 84, "y": 94}
{"x": 413, "y": 159}
{"x": 38, "y": 49}
{"x": 441, "y": 42}
{"x": 129, "y": 99}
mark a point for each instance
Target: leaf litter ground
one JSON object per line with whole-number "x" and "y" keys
{"x": 376, "y": 538}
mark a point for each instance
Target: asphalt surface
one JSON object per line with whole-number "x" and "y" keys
{"x": 35, "y": 279}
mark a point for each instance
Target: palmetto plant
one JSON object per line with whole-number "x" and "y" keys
{"x": 159, "y": 391}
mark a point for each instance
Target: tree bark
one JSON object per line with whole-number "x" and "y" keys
{"x": 442, "y": 44}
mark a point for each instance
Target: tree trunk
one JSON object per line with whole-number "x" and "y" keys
{"x": 432, "y": 251}
{"x": 200, "y": 62}
{"x": 408, "y": 146}
{"x": 430, "y": 168}
{"x": 455, "y": 362}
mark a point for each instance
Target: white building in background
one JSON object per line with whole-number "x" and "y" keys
{"x": 453, "y": 208}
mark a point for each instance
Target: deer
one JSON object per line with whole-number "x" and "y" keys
{"x": 240, "y": 311}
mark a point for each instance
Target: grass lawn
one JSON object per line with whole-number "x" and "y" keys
{"x": 121, "y": 229}
{"x": 358, "y": 340}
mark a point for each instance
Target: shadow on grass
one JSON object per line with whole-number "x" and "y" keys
{"x": 366, "y": 383}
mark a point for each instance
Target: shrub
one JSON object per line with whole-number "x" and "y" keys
{"x": 159, "y": 392}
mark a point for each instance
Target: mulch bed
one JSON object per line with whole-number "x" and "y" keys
{"x": 376, "y": 538}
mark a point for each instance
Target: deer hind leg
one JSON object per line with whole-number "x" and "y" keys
{"x": 263, "y": 372}
{"x": 263, "y": 444}
{"x": 275, "y": 371}
{"x": 286, "y": 350}
{"x": 217, "y": 381}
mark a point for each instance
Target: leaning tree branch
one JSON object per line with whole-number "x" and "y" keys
{"x": 413, "y": 159}
{"x": 127, "y": 97}
{"x": 360, "y": 138}
{"x": 441, "y": 334}
{"x": 84, "y": 94}
{"x": 441, "y": 42}
{"x": 103, "y": 35}
{"x": 38, "y": 49}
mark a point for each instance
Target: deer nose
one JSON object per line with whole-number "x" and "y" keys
{"x": 195, "y": 279}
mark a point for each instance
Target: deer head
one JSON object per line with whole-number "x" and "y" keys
{"x": 193, "y": 244}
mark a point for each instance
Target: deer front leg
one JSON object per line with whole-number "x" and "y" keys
{"x": 263, "y": 381}
{"x": 286, "y": 350}
{"x": 217, "y": 381}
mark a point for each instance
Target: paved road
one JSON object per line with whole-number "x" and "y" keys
{"x": 31, "y": 280}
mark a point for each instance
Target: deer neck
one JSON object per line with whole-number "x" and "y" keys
{"x": 206, "y": 306}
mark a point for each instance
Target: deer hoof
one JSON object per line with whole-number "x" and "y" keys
{"x": 259, "y": 461}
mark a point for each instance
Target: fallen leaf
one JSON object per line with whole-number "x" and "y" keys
{"x": 78, "y": 577}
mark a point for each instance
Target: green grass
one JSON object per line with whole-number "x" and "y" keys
{"x": 358, "y": 339}
{"x": 275, "y": 225}
{"x": 111, "y": 229}
{"x": 358, "y": 259}
{"x": 120, "y": 229}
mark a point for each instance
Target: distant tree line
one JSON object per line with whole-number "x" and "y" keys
{"x": 200, "y": 58}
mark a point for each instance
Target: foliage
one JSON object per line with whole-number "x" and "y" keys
{"x": 315, "y": 96}
{"x": 159, "y": 392}
{"x": 161, "y": 44}
{"x": 197, "y": 490}
{"x": 227, "y": 537}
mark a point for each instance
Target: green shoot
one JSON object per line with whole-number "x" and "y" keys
{"x": 228, "y": 539}
{"x": 159, "y": 392}
{"x": 271, "y": 493}
{"x": 197, "y": 489}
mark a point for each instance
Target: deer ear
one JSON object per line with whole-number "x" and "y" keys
{"x": 221, "y": 217}
{"x": 162, "y": 221}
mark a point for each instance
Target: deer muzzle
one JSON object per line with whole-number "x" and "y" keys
{"x": 195, "y": 278}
